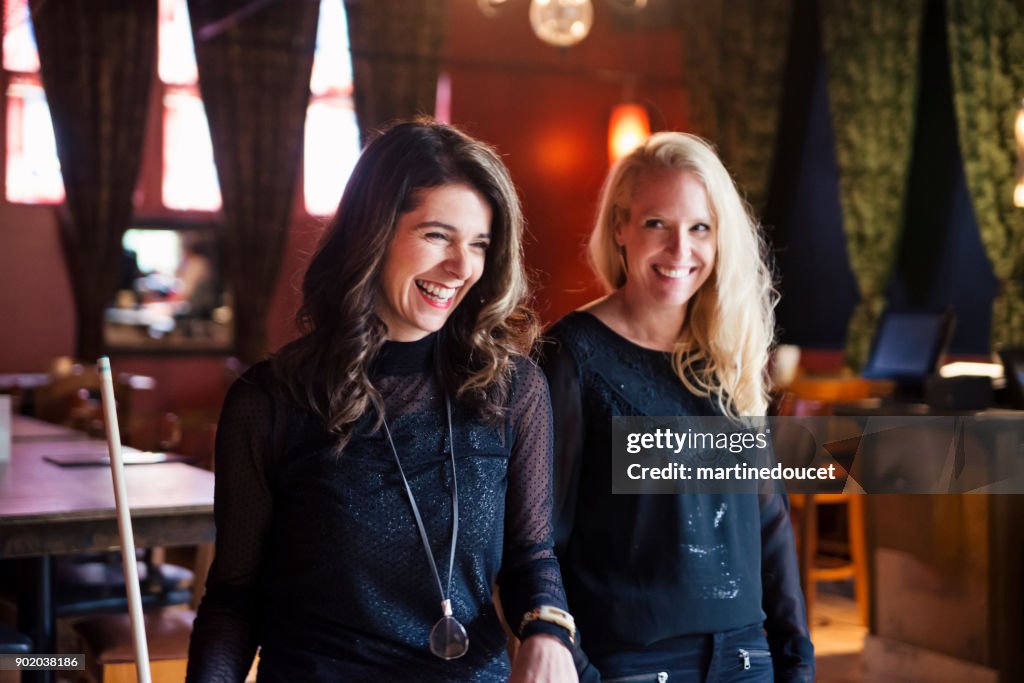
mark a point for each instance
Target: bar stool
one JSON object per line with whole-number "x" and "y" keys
{"x": 815, "y": 568}
{"x": 813, "y": 397}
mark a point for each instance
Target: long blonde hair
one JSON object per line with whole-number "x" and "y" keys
{"x": 722, "y": 351}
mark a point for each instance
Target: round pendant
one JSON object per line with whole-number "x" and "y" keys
{"x": 448, "y": 639}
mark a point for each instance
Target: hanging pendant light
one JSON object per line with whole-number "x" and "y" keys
{"x": 490, "y": 7}
{"x": 628, "y": 5}
{"x": 628, "y": 128}
{"x": 561, "y": 22}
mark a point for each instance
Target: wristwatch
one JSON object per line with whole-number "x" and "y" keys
{"x": 556, "y": 616}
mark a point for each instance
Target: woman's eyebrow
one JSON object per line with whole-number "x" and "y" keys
{"x": 446, "y": 226}
{"x": 436, "y": 224}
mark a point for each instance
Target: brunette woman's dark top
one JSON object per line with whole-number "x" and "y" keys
{"x": 642, "y": 570}
{"x": 319, "y": 560}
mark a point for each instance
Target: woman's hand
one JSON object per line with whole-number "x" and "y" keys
{"x": 543, "y": 659}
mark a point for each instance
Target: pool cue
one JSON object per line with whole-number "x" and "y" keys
{"x": 124, "y": 522}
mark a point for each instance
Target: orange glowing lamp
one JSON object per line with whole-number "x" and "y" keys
{"x": 628, "y": 129}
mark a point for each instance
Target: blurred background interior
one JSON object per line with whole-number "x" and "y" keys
{"x": 168, "y": 167}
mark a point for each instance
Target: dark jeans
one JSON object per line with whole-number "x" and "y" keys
{"x": 738, "y": 656}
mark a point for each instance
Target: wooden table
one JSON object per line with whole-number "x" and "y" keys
{"x": 47, "y": 510}
{"x": 24, "y": 380}
{"x": 30, "y": 429}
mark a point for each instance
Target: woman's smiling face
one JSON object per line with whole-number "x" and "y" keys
{"x": 436, "y": 256}
{"x": 669, "y": 238}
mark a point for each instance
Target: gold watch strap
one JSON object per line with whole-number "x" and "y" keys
{"x": 553, "y": 615}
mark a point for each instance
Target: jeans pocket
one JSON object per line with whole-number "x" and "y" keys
{"x": 753, "y": 664}
{"x": 753, "y": 657}
{"x": 658, "y": 677}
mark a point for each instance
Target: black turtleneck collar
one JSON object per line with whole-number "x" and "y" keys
{"x": 406, "y": 358}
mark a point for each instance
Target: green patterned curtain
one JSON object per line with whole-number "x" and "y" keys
{"x": 871, "y": 51}
{"x": 986, "y": 46}
{"x": 396, "y": 58}
{"x": 96, "y": 58}
{"x": 254, "y": 61}
{"x": 734, "y": 62}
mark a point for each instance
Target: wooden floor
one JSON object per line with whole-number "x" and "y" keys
{"x": 838, "y": 637}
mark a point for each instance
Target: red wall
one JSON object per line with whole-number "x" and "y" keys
{"x": 545, "y": 109}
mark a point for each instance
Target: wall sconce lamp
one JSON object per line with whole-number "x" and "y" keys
{"x": 1018, "y": 129}
{"x": 628, "y": 128}
{"x": 561, "y": 23}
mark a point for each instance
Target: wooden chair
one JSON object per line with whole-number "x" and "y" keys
{"x": 106, "y": 642}
{"x": 94, "y": 583}
{"x": 12, "y": 643}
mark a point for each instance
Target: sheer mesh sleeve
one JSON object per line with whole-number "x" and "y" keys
{"x": 224, "y": 637}
{"x": 783, "y": 603}
{"x": 529, "y": 577}
{"x": 567, "y": 409}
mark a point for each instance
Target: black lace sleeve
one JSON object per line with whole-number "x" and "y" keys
{"x": 783, "y": 604}
{"x": 529, "y": 576}
{"x": 224, "y": 636}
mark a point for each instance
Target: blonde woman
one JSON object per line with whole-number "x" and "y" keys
{"x": 672, "y": 587}
{"x": 384, "y": 471}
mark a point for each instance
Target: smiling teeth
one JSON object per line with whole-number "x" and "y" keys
{"x": 673, "y": 272}
{"x": 436, "y": 292}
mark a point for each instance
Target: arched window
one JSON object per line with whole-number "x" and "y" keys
{"x": 32, "y": 169}
{"x": 188, "y": 176}
{"x": 332, "y": 136}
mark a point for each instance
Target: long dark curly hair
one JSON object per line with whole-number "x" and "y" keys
{"x": 327, "y": 368}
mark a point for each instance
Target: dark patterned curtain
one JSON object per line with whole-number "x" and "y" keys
{"x": 96, "y": 59}
{"x": 254, "y": 59}
{"x": 734, "y": 62}
{"x": 396, "y": 56}
{"x": 986, "y": 46}
{"x": 872, "y": 55}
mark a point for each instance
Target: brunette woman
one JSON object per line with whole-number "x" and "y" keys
{"x": 384, "y": 471}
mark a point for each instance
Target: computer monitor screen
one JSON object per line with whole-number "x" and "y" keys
{"x": 907, "y": 346}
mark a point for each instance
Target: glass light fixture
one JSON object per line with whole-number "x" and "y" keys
{"x": 490, "y": 7}
{"x": 1018, "y": 127}
{"x": 561, "y": 22}
{"x": 628, "y": 5}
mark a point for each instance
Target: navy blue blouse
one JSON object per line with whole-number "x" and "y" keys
{"x": 319, "y": 560}
{"x": 640, "y": 570}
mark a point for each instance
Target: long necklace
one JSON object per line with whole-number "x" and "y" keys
{"x": 448, "y": 639}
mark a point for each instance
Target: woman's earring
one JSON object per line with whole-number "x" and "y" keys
{"x": 622, "y": 260}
